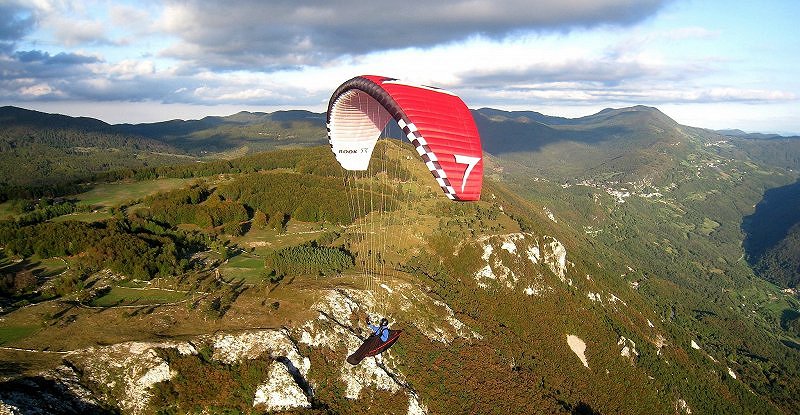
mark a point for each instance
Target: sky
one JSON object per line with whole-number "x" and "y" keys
{"x": 710, "y": 63}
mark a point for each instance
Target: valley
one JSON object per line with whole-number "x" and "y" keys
{"x": 772, "y": 231}
{"x": 604, "y": 270}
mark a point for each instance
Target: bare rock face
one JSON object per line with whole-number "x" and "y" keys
{"x": 628, "y": 350}
{"x": 578, "y": 347}
{"x": 121, "y": 377}
{"x": 58, "y": 391}
{"x": 126, "y": 371}
{"x": 280, "y": 392}
{"x": 507, "y": 255}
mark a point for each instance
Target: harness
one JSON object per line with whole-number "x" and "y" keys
{"x": 380, "y": 331}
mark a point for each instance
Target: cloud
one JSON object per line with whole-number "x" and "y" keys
{"x": 628, "y": 93}
{"x": 728, "y": 94}
{"x": 73, "y": 33}
{"x": 281, "y": 34}
{"x": 16, "y": 22}
{"x": 39, "y": 75}
{"x": 246, "y": 52}
{"x": 62, "y": 58}
{"x": 74, "y": 23}
{"x": 573, "y": 71}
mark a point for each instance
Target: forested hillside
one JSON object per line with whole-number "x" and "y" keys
{"x": 771, "y": 236}
{"x": 781, "y": 263}
{"x": 48, "y": 154}
{"x": 245, "y": 131}
{"x": 768, "y": 149}
{"x": 604, "y": 270}
{"x": 612, "y": 145}
{"x": 45, "y": 153}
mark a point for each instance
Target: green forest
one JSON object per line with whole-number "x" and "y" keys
{"x": 260, "y": 243}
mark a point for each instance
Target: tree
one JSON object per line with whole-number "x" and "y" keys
{"x": 278, "y": 221}
{"x": 260, "y": 220}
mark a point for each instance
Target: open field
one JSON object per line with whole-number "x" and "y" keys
{"x": 119, "y": 296}
{"x": 11, "y": 333}
{"x": 131, "y": 314}
{"x": 113, "y": 194}
{"x": 244, "y": 267}
{"x": 85, "y": 216}
{"x": 265, "y": 240}
{"x": 49, "y": 267}
{"x": 106, "y": 195}
{"x": 40, "y": 267}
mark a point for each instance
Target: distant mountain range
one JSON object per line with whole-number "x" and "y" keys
{"x": 613, "y": 144}
{"x": 758, "y": 136}
{"x": 608, "y": 268}
{"x": 43, "y": 149}
{"x": 257, "y": 131}
{"x": 626, "y": 135}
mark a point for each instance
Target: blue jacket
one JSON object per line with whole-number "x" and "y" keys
{"x": 378, "y": 332}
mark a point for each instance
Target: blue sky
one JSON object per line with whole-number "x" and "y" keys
{"x": 715, "y": 64}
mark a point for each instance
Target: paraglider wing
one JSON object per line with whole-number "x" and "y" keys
{"x": 436, "y": 121}
{"x": 372, "y": 346}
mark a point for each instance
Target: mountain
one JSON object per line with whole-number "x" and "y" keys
{"x": 780, "y": 263}
{"x": 773, "y": 235}
{"x": 605, "y": 270}
{"x": 48, "y": 153}
{"x": 754, "y": 136}
{"x": 251, "y": 132}
{"x": 781, "y": 152}
{"x": 627, "y": 143}
{"x": 46, "y": 150}
{"x": 245, "y": 130}
{"x": 522, "y": 116}
{"x": 677, "y": 204}
{"x": 14, "y": 116}
{"x": 621, "y": 144}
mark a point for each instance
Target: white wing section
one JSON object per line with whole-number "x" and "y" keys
{"x": 356, "y": 123}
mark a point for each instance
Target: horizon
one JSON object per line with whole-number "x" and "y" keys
{"x": 784, "y": 134}
{"x": 705, "y": 64}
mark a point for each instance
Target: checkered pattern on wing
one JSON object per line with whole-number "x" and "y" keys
{"x": 328, "y": 127}
{"x": 430, "y": 159}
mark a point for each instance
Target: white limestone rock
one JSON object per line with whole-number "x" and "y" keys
{"x": 578, "y": 347}
{"x": 280, "y": 392}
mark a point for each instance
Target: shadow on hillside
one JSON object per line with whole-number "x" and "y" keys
{"x": 617, "y": 129}
{"x": 515, "y": 137}
{"x": 10, "y": 369}
{"x": 38, "y": 395}
{"x": 581, "y": 408}
{"x": 790, "y": 344}
{"x": 584, "y": 409}
{"x": 774, "y": 215}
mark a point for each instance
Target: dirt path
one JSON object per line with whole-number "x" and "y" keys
{"x": 19, "y": 349}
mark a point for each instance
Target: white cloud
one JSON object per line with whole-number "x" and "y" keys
{"x": 130, "y": 16}
{"x": 728, "y": 94}
{"x": 75, "y": 33}
{"x": 570, "y": 58}
{"x": 270, "y": 34}
{"x": 38, "y": 90}
{"x": 70, "y": 23}
{"x": 126, "y": 70}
